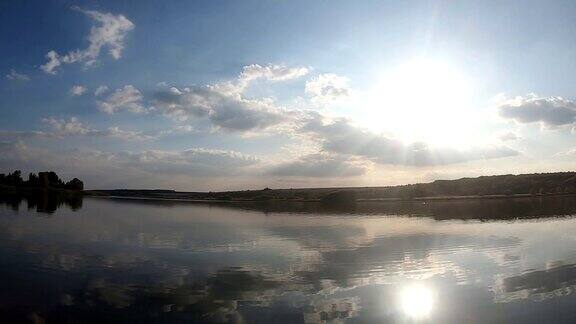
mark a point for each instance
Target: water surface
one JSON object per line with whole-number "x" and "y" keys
{"x": 107, "y": 260}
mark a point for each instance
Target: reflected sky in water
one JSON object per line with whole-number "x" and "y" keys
{"x": 105, "y": 260}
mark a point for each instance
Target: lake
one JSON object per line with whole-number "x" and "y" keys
{"x": 111, "y": 260}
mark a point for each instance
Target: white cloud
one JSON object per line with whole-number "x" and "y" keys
{"x": 100, "y": 90}
{"x": 326, "y": 88}
{"x": 320, "y": 165}
{"x": 127, "y": 98}
{"x": 13, "y": 75}
{"x": 183, "y": 128}
{"x": 253, "y": 72}
{"x": 179, "y": 129}
{"x": 13, "y": 155}
{"x": 224, "y": 104}
{"x": 228, "y": 112}
{"x": 78, "y": 90}
{"x": 53, "y": 62}
{"x": 340, "y": 136}
{"x": 73, "y": 127}
{"x": 272, "y": 72}
{"x": 149, "y": 168}
{"x": 182, "y": 104}
{"x": 186, "y": 160}
{"x": 126, "y": 135}
{"x": 570, "y": 153}
{"x": 508, "y": 136}
{"x": 60, "y": 128}
{"x": 8, "y": 134}
{"x": 110, "y": 34}
{"x": 549, "y": 112}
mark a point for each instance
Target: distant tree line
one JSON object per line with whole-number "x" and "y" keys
{"x": 500, "y": 185}
{"x": 536, "y": 184}
{"x": 505, "y": 185}
{"x": 44, "y": 180}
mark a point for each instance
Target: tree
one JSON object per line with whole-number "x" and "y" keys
{"x": 50, "y": 180}
{"x": 75, "y": 184}
{"x": 33, "y": 180}
{"x": 14, "y": 178}
{"x": 45, "y": 180}
{"x": 339, "y": 197}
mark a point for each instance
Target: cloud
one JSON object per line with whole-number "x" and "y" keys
{"x": 126, "y": 135}
{"x": 148, "y": 168}
{"x": 109, "y": 33}
{"x": 63, "y": 127}
{"x": 194, "y": 159}
{"x": 228, "y": 112}
{"x": 271, "y": 72}
{"x": 571, "y": 153}
{"x": 224, "y": 104}
{"x": 127, "y": 98}
{"x": 15, "y": 76}
{"x": 253, "y": 72}
{"x": 53, "y": 62}
{"x": 179, "y": 130}
{"x": 73, "y": 127}
{"x": 182, "y": 104}
{"x": 198, "y": 161}
{"x": 328, "y": 87}
{"x": 100, "y": 90}
{"x": 239, "y": 114}
{"x": 320, "y": 165}
{"x": 78, "y": 90}
{"x": 13, "y": 155}
{"x": 8, "y": 134}
{"x": 550, "y": 112}
{"x": 508, "y": 136}
{"x": 342, "y": 137}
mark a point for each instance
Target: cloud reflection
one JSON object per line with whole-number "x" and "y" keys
{"x": 181, "y": 262}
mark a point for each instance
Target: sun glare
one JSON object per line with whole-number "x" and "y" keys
{"x": 421, "y": 100}
{"x": 416, "y": 301}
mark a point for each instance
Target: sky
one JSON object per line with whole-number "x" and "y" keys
{"x": 229, "y": 95}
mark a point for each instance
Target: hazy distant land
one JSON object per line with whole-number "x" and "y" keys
{"x": 500, "y": 186}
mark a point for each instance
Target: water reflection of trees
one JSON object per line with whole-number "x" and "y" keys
{"x": 478, "y": 209}
{"x": 471, "y": 209}
{"x": 555, "y": 281}
{"x": 42, "y": 201}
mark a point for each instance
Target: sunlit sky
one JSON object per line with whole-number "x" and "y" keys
{"x": 222, "y": 95}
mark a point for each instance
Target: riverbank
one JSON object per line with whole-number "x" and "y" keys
{"x": 194, "y": 197}
{"x": 484, "y": 187}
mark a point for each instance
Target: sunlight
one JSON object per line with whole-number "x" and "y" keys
{"x": 416, "y": 301}
{"x": 422, "y": 99}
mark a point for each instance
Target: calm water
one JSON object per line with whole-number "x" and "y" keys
{"x": 106, "y": 260}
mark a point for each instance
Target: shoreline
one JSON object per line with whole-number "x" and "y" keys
{"x": 359, "y": 200}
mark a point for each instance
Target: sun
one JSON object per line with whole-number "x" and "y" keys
{"x": 422, "y": 100}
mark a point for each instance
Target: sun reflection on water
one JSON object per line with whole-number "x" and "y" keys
{"x": 417, "y": 301}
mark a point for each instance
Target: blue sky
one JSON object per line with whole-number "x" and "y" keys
{"x": 218, "y": 95}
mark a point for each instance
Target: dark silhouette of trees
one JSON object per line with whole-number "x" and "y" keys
{"x": 33, "y": 180}
{"x": 340, "y": 197}
{"x": 12, "y": 179}
{"x": 44, "y": 180}
{"x": 75, "y": 184}
{"x": 50, "y": 180}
